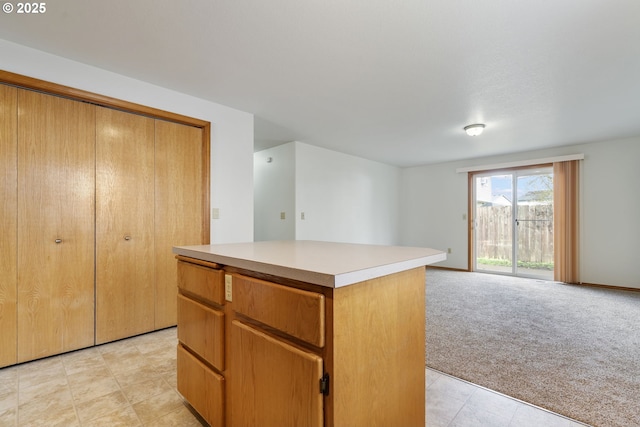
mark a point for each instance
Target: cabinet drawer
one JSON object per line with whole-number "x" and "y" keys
{"x": 201, "y": 328}
{"x": 201, "y": 387}
{"x": 293, "y": 311}
{"x": 206, "y": 283}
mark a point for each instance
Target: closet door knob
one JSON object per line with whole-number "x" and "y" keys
{"x": 58, "y": 240}
{"x": 127, "y": 237}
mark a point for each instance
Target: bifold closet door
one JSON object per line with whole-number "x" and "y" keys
{"x": 179, "y": 208}
{"x": 124, "y": 224}
{"x": 56, "y": 198}
{"x": 8, "y": 229}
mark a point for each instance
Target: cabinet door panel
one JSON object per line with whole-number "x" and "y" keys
{"x": 203, "y": 388}
{"x": 124, "y": 224}
{"x": 8, "y": 227}
{"x": 56, "y": 185}
{"x": 179, "y": 205}
{"x": 273, "y": 383}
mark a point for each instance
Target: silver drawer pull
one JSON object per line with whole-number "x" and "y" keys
{"x": 127, "y": 237}
{"x": 58, "y": 240}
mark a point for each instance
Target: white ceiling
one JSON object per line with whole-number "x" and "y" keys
{"x": 388, "y": 80}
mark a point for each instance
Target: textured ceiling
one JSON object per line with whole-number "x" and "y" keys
{"x": 393, "y": 81}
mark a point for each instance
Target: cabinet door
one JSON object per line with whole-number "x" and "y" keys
{"x": 56, "y": 186}
{"x": 273, "y": 383}
{"x": 8, "y": 227}
{"x": 124, "y": 224}
{"x": 180, "y": 192}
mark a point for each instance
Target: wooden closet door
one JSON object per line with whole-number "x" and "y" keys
{"x": 124, "y": 224}
{"x": 8, "y": 227}
{"x": 179, "y": 208}
{"x": 56, "y": 187}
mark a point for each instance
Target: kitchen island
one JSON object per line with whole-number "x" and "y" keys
{"x": 302, "y": 333}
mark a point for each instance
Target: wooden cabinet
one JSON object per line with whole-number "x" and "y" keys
{"x": 9, "y": 229}
{"x": 92, "y": 200}
{"x": 124, "y": 224}
{"x": 300, "y": 354}
{"x": 56, "y": 181}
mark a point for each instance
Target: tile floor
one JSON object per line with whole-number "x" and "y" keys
{"x": 133, "y": 383}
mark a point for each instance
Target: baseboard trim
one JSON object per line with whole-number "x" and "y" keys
{"x": 437, "y": 267}
{"x": 591, "y": 285}
{"x": 615, "y": 288}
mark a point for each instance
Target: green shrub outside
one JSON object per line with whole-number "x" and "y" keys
{"x": 521, "y": 264}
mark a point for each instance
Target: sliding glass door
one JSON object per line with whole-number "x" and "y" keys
{"x": 513, "y": 222}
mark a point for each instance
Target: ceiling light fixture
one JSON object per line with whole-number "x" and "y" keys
{"x": 474, "y": 130}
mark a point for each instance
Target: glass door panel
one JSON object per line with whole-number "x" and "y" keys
{"x": 534, "y": 224}
{"x": 494, "y": 223}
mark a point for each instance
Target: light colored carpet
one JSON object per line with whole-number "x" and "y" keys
{"x": 571, "y": 349}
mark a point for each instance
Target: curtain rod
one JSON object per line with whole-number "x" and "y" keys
{"x": 521, "y": 163}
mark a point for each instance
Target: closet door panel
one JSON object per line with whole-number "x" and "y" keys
{"x": 8, "y": 228}
{"x": 179, "y": 206}
{"x": 124, "y": 224}
{"x": 56, "y": 185}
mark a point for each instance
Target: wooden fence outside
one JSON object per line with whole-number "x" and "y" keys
{"x": 535, "y": 233}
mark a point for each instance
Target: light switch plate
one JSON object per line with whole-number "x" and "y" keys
{"x": 228, "y": 285}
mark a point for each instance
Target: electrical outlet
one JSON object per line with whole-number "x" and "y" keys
{"x": 282, "y": 215}
{"x": 228, "y": 285}
{"x": 301, "y": 215}
{"x": 448, "y": 250}
{"x": 215, "y": 213}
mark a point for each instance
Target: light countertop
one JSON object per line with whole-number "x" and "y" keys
{"x": 322, "y": 263}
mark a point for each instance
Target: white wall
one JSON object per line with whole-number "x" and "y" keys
{"x": 344, "y": 198}
{"x": 274, "y": 192}
{"x": 434, "y": 200}
{"x": 231, "y": 130}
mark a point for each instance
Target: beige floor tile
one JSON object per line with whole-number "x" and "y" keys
{"x": 171, "y": 379}
{"x": 58, "y": 404}
{"x": 145, "y": 390}
{"x": 80, "y": 378}
{"x": 182, "y": 417}
{"x": 91, "y": 390}
{"x": 102, "y": 406}
{"x": 8, "y": 379}
{"x": 8, "y": 400}
{"x": 83, "y": 361}
{"x": 121, "y": 418}
{"x": 63, "y": 418}
{"x": 40, "y": 371}
{"x": 50, "y": 386}
{"x": 9, "y": 417}
{"x": 493, "y": 403}
{"x": 158, "y": 406}
{"x": 139, "y": 375}
{"x": 129, "y": 361}
{"x": 114, "y": 347}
